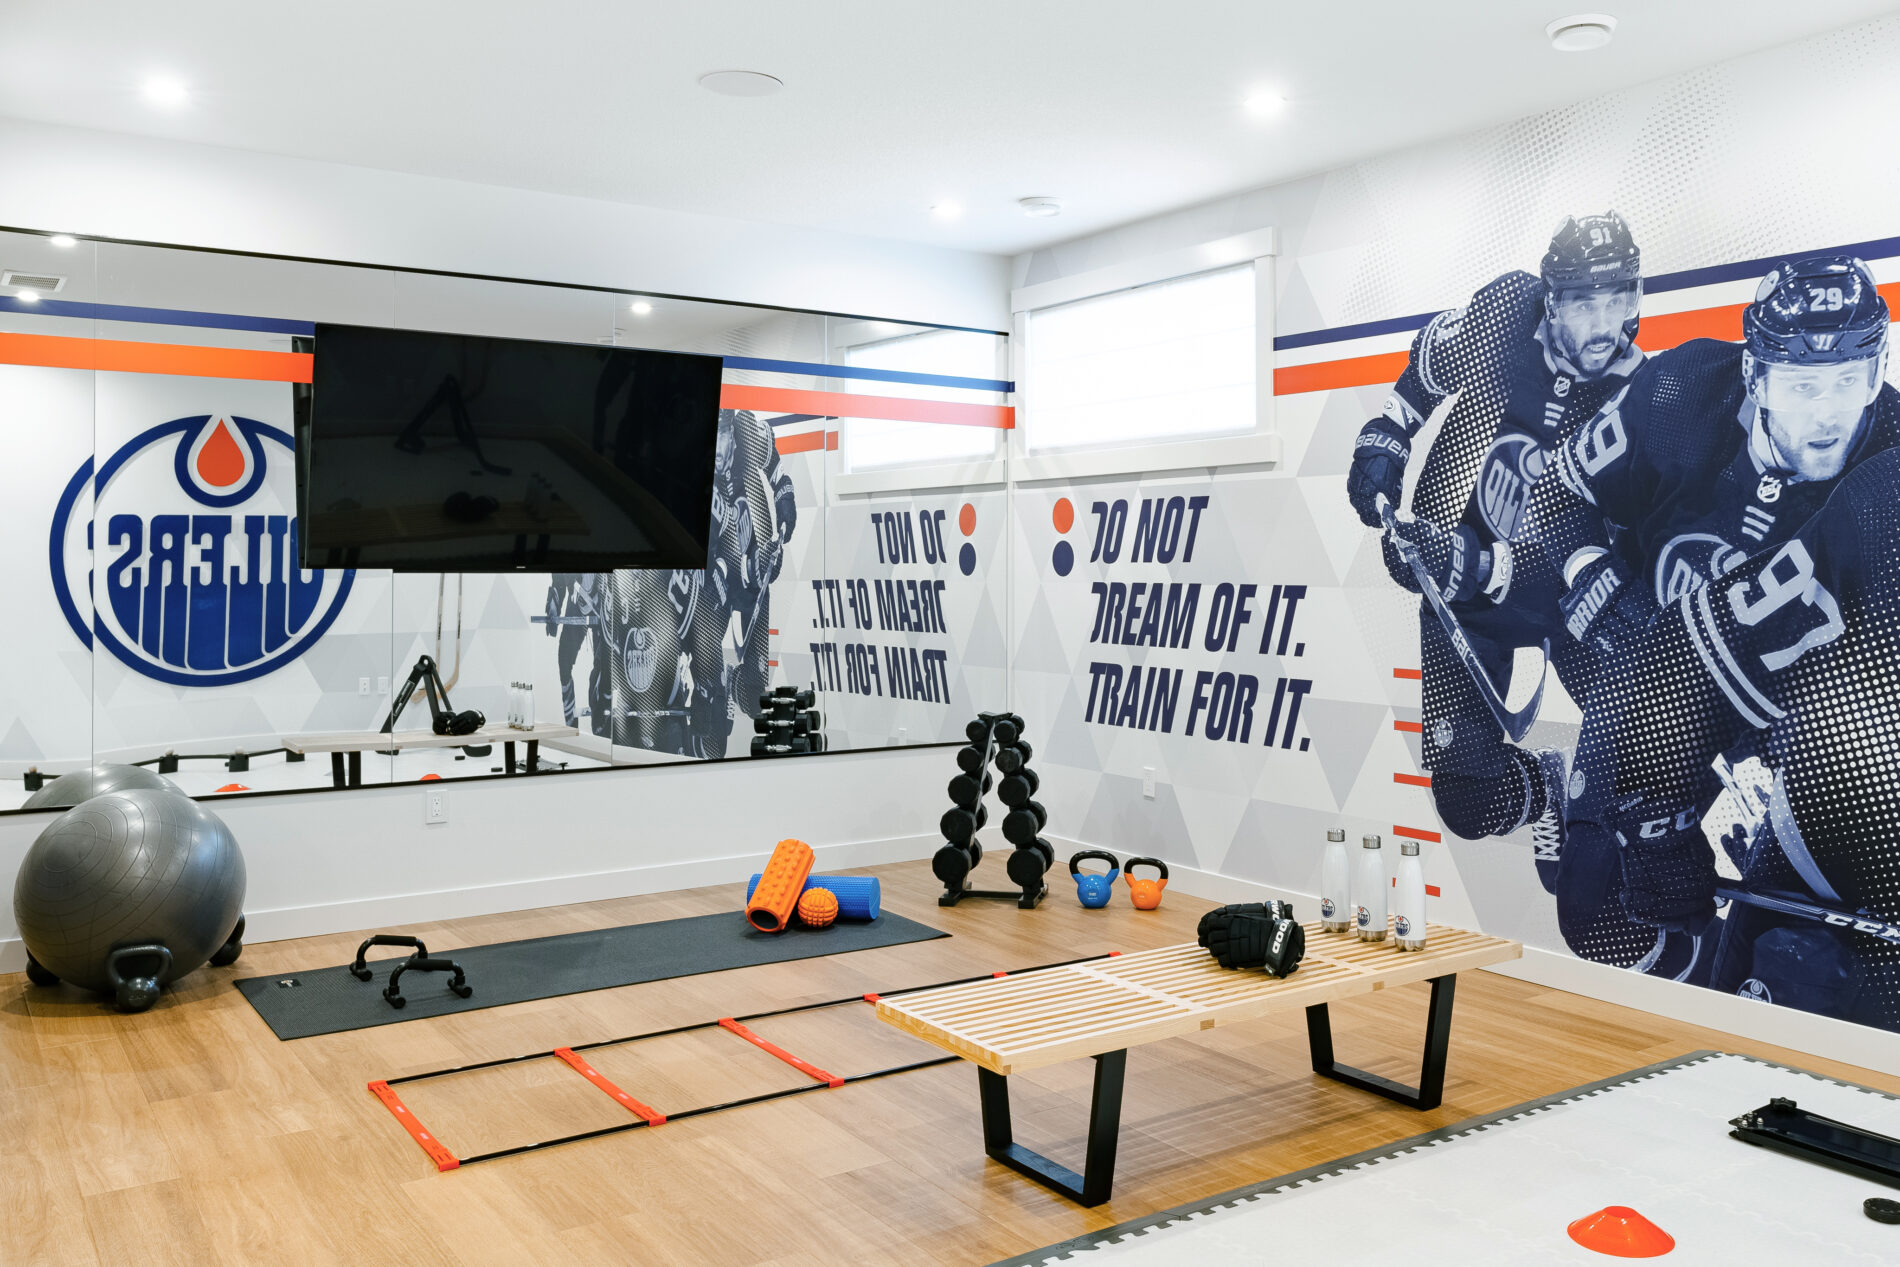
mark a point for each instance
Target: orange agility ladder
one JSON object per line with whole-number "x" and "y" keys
{"x": 783, "y": 879}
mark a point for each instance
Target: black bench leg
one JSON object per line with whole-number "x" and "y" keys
{"x": 1431, "y": 1079}
{"x": 508, "y": 756}
{"x": 356, "y": 769}
{"x": 336, "y": 770}
{"x": 1105, "y": 1118}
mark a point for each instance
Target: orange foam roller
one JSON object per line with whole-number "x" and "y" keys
{"x": 783, "y": 879}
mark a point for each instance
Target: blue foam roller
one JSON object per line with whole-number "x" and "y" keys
{"x": 858, "y": 895}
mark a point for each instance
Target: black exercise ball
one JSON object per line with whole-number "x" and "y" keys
{"x": 83, "y": 785}
{"x": 129, "y": 890}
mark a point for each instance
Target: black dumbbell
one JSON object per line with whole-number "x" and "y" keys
{"x": 952, "y": 864}
{"x": 1042, "y": 815}
{"x": 1020, "y": 827}
{"x": 958, "y": 826}
{"x": 1016, "y": 720}
{"x": 814, "y": 720}
{"x": 1027, "y": 867}
{"x": 1014, "y": 791}
{"x": 800, "y": 743}
{"x": 758, "y": 745}
{"x": 1048, "y": 850}
{"x": 966, "y": 791}
{"x": 970, "y": 760}
{"x": 1035, "y": 780}
{"x": 1006, "y": 732}
{"x": 977, "y": 732}
{"x": 818, "y": 742}
{"x": 761, "y": 726}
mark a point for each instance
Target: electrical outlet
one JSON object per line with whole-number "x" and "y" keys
{"x": 362, "y": 686}
{"x": 901, "y": 732}
{"x": 435, "y": 806}
{"x": 382, "y": 685}
{"x": 1148, "y": 781}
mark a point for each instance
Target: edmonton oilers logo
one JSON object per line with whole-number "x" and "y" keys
{"x": 181, "y": 557}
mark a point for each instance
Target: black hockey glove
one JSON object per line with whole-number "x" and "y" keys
{"x": 1606, "y": 605}
{"x": 1670, "y": 883}
{"x": 1379, "y": 455}
{"x": 1254, "y": 941}
{"x": 1457, "y": 564}
{"x": 1263, "y": 910}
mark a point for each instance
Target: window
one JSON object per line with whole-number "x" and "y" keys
{"x": 1165, "y": 362}
{"x": 875, "y": 444}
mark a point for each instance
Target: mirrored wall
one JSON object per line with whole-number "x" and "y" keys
{"x": 158, "y": 613}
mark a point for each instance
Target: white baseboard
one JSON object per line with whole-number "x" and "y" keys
{"x": 399, "y": 910}
{"x": 1822, "y": 1036}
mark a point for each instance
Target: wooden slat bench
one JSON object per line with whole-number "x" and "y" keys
{"x": 1103, "y": 1007}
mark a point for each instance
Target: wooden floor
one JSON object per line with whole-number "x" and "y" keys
{"x": 192, "y": 1135}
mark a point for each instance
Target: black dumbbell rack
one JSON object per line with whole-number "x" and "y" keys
{"x": 996, "y": 739}
{"x": 788, "y": 725}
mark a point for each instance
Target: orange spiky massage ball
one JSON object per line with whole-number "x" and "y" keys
{"x": 817, "y": 908}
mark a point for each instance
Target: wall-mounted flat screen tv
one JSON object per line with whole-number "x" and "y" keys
{"x": 423, "y": 452}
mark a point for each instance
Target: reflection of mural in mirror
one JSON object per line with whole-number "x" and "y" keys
{"x": 162, "y": 618}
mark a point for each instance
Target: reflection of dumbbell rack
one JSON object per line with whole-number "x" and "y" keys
{"x": 789, "y": 724}
{"x": 995, "y": 738}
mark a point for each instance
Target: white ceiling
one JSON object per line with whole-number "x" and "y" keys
{"x": 1121, "y": 108}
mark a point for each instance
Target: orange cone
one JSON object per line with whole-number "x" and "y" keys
{"x": 1621, "y": 1232}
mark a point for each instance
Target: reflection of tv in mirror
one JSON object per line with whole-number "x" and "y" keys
{"x": 456, "y": 453}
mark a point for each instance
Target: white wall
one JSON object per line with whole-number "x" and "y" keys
{"x": 323, "y": 862}
{"x": 79, "y": 181}
{"x": 1412, "y": 232}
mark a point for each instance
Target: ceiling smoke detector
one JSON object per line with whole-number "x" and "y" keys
{"x": 1581, "y": 32}
{"x": 1040, "y": 208}
{"x": 740, "y": 83}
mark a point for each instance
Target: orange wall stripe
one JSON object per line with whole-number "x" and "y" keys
{"x": 653, "y": 1117}
{"x": 442, "y": 1157}
{"x": 66, "y": 352}
{"x": 803, "y": 442}
{"x": 1409, "y": 675}
{"x": 795, "y": 400}
{"x": 1351, "y": 371}
{"x": 1409, "y": 727}
{"x": 1417, "y": 833}
{"x": 1414, "y": 780}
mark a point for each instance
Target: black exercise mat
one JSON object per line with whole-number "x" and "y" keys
{"x": 330, "y": 1000}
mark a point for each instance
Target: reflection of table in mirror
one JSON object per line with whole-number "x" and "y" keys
{"x": 351, "y": 744}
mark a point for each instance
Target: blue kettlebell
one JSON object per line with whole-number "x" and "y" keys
{"x": 1093, "y": 889}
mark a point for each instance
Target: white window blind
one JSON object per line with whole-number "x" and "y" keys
{"x": 1164, "y": 362}
{"x": 873, "y": 443}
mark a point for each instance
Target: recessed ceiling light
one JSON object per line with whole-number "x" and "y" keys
{"x": 63, "y": 240}
{"x": 1040, "y": 208}
{"x": 29, "y": 296}
{"x": 740, "y": 83}
{"x": 1264, "y": 103}
{"x": 946, "y": 210}
{"x": 1581, "y": 32}
{"x": 168, "y": 91}
{"x": 640, "y": 307}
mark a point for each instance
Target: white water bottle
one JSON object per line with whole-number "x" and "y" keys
{"x": 1368, "y": 891}
{"x": 527, "y": 705}
{"x": 1408, "y": 916}
{"x": 1335, "y": 911}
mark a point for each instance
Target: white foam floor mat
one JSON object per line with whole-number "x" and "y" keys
{"x": 1503, "y": 1191}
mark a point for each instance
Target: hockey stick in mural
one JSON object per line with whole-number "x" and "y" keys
{"x": 1516, "y": 724}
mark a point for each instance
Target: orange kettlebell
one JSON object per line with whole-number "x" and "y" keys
{"x": 1145, "y": 894}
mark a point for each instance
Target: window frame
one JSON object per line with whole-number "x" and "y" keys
{"x": 906, "y": 477}
{"x": 1260, "y": 447}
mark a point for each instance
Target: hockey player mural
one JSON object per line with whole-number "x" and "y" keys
{"x": 1522, "y": 366}
{"x": 680, "y": 654}
{"x": 1718, "y": 544}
